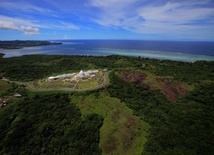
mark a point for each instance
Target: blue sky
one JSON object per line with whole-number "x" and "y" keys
{"x": 107, "y": 19}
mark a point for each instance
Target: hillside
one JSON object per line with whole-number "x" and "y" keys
{"x": 149, "y": 107}
{"x": 16, "y": 44}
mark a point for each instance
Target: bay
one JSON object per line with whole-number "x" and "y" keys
{"x": 165, "y": 50}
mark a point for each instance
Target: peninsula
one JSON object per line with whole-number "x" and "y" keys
{"x": 17, "y": 44}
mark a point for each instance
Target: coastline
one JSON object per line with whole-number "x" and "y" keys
{"x": 159, "y": 55}
{"x": 18, "y": 44}
{"x": 185, "y": 52}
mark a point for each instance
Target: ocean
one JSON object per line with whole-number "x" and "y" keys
{"x": 187, "y": 51}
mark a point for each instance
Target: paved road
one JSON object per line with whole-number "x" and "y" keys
{"x": 105, "y": 83}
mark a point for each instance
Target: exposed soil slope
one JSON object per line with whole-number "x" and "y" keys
{"x": 172, "y": 90}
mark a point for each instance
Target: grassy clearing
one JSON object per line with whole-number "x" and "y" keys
{"x": 152, "y": 80}
{"x": 87, "y": 84}
{"x": 122, "y": 132}
{"x": 57, "y": 84}
{"x": 4, "y": 85}
{"x": 34, "y": 84}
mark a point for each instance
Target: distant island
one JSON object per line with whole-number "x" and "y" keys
{"x": 17, "y": 44}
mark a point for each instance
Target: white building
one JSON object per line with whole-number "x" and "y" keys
{"x": 61, "y": 76}
{"x": 80, "y": 75}
{"x": 87, "y": 74}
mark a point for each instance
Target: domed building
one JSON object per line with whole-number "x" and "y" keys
{"x": 81, "y": 75}
{"x": 85, "y": 75}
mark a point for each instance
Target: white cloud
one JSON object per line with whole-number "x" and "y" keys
{"x": 168, "y": 17}
{"x": 29, "y": 30}
{"x": 153, "y": 17}
{"x": 8, "y": 25}
{"x": 174, "y": 12}
{"x": 65, "y": 25}
{"x": 22, "y": 22}
{"x": 30, "y": 27}
{"x": 25, "y": 7}
{"x": 111, "y": 3}
{"x": 16, "y": 25}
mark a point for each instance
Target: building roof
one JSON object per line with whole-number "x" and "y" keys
{"x": 81, "y": 74}
{"x": 92, "y": 71}
{"x": 17, "y": 95}
{"x": 61, "y": 76}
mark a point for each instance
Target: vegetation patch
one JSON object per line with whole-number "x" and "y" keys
{"x": 87, "y": 84}
{"x": 48, "y": 124}
{"x": 4, "y": 85}
{"x": 185, "y": 127}
{"x": 122, "y": 132}
{"x": 115, "y": 118}
{"x": 172, "y": 90}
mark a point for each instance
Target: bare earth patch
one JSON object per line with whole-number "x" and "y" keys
{"x": 172, "y": 90}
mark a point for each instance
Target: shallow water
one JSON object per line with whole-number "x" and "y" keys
{"x": 179, "y": 51}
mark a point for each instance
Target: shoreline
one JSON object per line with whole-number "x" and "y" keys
{"x": 159, "y": 50}
{"x": 19, "y": 44}
{"x": 158, "y": 55}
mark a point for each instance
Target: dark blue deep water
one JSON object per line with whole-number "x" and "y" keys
{"x": 172, "y": 50}
{"x": 203, "y": 48}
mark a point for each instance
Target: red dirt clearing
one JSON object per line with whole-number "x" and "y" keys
{"x": 172, "y": 90}
{"x": 134, "y": 77}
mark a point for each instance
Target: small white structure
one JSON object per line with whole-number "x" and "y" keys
{"x": 87, "y": 74}
{"x": 61, "y": 76}
{"x": 17, "y": 95}
{"x": 4, "y": 103}
{"x": 92, "y": 71}
{"x": 51, "y": 78}
{"x": 81, "y": 75}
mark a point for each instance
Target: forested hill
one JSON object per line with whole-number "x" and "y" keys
{"x": 1, "y": 55}
{"x": 39, "y": 66}
{"x": 16, "y": 44}
{"x": 150, "y": 107}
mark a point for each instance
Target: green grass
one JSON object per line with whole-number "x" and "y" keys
{"x": 122, "y": 132}
{"x": 55, "y": 84}
{"x": 87, "y": 84}
{"x": 34, "y": 84}
{"x": 152, "y": 79}
{"x": 4, "y": 85}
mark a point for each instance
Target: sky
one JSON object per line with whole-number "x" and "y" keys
{"x": 107, "y": 19}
